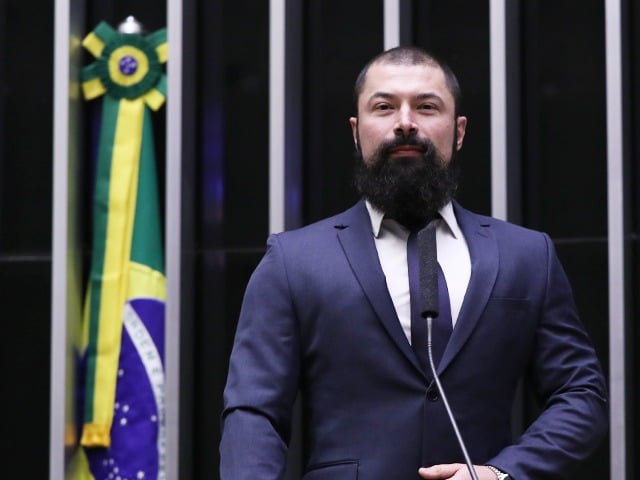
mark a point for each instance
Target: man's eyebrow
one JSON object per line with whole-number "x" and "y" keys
{"x": 428, "y": 96}
{"x": 390, "y": 96}
{"x": 385, "y": 95}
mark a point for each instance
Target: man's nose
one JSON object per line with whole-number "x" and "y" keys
{"x": 405, "y": 124}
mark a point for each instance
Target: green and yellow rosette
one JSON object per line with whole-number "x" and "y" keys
{"x": 128, "y": 74}
{"x": 127, "y": 66}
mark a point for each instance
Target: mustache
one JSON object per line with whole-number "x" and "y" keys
{"x": 401, "y": 139}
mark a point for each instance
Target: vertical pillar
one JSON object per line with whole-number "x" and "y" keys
{"x": 616, "y": 232}
{"x": 277, "y": 102}
{"x": 66, "y": 264}
{"x": 391, "y": 23}
{"x": 178, "y": 223}
{"x": 59, "y": 247}
{"x": 497, "y": 13}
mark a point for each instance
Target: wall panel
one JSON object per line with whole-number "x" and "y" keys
{"x": 26, "y": 76}
{"x": 340, "y": 37}
{"x": 458, "y": 31}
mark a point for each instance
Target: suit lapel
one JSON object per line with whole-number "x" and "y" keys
{"x": 356, "y": 237}
{"x": 483, "y": 251}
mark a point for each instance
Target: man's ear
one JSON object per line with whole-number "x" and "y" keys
{"x": 354, "y": 131}
{"x": 461, "y": 128}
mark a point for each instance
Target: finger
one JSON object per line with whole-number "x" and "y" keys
{"x": 442, "y": 471}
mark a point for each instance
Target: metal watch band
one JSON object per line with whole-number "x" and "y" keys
{"x": 500, "y": 474}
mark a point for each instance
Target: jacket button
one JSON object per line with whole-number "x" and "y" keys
{"x": 432, "y": 394}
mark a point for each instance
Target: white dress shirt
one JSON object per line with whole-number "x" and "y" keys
{"x": 453, "y": 257}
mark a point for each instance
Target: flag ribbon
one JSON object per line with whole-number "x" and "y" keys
{"x": 127, "y": 73}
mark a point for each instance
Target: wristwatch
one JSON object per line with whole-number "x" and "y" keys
{"x": 499, "y": 473}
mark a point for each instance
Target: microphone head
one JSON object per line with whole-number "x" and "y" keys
{"x": 427, "y": 249}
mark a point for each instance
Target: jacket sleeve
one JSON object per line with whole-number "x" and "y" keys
{"x": 263, "y": 376}
{"x": 569, "y": 386}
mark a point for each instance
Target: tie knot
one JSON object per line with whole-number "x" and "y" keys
{"x": 424, "y": 226}
{"x": 414, "y": 223}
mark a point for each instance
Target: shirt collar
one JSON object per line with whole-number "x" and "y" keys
{"x": 448, "y": 215}
{"x": 376, "y": 216}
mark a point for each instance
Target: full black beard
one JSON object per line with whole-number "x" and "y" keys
{"x": 408, "y": 189}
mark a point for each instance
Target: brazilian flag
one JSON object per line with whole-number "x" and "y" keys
{"x": 123, "y": 357}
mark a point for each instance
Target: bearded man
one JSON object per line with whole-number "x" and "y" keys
{"x": 331, "y": 312}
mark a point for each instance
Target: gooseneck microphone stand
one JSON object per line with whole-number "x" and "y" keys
{"x": 452, "y": 419}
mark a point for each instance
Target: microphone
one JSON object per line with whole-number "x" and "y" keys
{"x": 426, "y": 243}
{"x": 429, "y": 304}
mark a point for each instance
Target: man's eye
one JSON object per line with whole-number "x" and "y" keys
{"x": 382, "y": 106}
{"x": 427, "y": 106}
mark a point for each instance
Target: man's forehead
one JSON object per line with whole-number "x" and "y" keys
{"x": 382, "y": 74}
{"x": 382, "y": 68}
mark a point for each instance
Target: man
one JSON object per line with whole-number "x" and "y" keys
{"x": 328, "y": 313}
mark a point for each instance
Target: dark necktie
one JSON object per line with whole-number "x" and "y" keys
{"x": 442, "y": 324}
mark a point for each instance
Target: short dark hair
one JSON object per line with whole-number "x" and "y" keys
{"x": 411, "y": 56}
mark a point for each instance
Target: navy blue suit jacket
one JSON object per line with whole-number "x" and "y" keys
{"x": 317, "y": 318}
